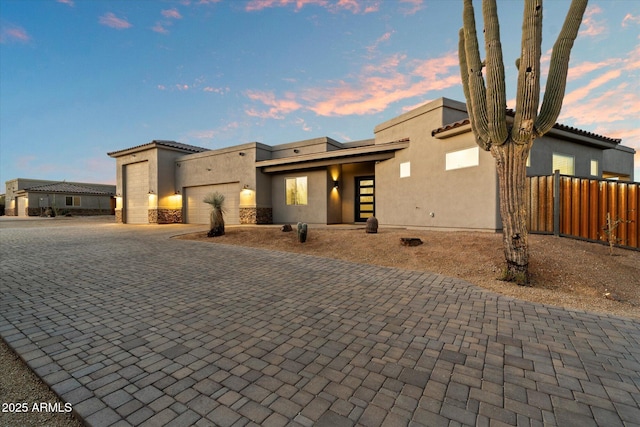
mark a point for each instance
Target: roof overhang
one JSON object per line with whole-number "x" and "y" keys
{"x": 369, "y": 153}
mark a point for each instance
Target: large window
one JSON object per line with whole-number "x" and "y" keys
{"x": 462, "y": 159}
{"x": 296, "y": 190}
{"x": 72, "y": 201}
{"x": 594, "y": 167}
{"x": 564, "y": 163}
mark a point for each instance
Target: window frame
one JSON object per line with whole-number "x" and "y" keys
{"x": 76, "y": 201}
{"x": 559, "y": 156}
{"x": 300, "y": 187}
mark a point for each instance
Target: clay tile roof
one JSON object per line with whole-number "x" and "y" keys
{"x": 66, "y": 187}
{"x": 512, "y": 113}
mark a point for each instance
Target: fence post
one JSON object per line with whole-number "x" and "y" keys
{"x": 556, "y": 202}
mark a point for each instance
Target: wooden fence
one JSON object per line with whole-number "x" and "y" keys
{"x": 578, "y": 207}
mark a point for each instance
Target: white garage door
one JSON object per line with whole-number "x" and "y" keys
{"x": 197, "y": 211}
{"x": 22, "y": 206}
{"x": 136, "y": 193}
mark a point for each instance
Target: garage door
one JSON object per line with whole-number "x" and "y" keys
{"x": 136, "y": 193}
{"x": 197, "y": 211}
{"x": 22, "y": 206}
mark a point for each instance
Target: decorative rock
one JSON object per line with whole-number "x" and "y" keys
{"x": 410, "y": 241}
{"x": 287, "y": 228}
{"x": 372, "y": 225}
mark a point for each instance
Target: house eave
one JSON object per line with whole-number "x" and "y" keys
{"x": 346, "y": 155}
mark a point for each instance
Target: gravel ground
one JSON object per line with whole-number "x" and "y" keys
{"x": 565, "y": 272}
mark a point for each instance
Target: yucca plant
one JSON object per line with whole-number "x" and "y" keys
{"x": 216, "y": 218}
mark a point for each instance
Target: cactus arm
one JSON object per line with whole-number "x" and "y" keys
{"x": 559, "y": 67}
{"x": 496, "y": 92}
{"x": 528, "y": 96}
{"x": 464, "y": 77}
{"x": 475, "y": 80}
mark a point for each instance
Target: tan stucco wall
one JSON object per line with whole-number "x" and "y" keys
{"x": 315, "y": 211}
{"x": 431, "y": 196}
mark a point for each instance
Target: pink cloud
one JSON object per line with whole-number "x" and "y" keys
{"x": 590, "y": 25}
{"x": 111, "y": 20}
{"x": 159, "y": 28}
{"x": 629, "y": 19}
{"x": 414, "y": 6}
{"x": 371, "y": 91}
{"x": 580, "y": 70}
{"x": 383, "y": 38}
{"x": 354, "y": 6}
{"x": 171, "y": 14}
{"x": 67, "y": 2}
{"x": 13, "y": 33}
{"x": 278, "y": 107}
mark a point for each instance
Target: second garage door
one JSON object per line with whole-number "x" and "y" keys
{"x": 136, "y": 193}
{"x": 197, "y": 211}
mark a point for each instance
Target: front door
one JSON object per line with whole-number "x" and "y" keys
{"x": 365, "y": 198}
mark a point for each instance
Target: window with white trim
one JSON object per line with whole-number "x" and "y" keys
{"x": 594, "y": 167}
{"x": 296, "y": 190}
{"x": 462, "y": 158}
{"x": 72, "y": 201}
{"x": 564, "y": 163}
{"x": 405, "y": 170}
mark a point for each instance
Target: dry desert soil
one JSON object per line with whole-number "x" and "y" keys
{"x": 564, "y": 272}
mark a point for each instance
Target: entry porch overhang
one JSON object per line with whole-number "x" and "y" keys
{"x": 367, "y": 153}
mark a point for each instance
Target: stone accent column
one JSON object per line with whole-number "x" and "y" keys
{"x": 256, "y": 216}
{"x": 119, "y": 216}
{"x": 152, "y": 215}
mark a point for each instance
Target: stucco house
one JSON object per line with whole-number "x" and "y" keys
{"x": 421, "y": 169}
{"x": 34, "y": 197}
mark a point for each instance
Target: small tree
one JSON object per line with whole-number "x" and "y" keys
{"x": 216, "y": 218}
{"x": 510, "y": 144}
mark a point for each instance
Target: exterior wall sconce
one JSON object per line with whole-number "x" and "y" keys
{"x": 118, "y": 195}
{"x": 295, "y": 150}
{"x": 177, "y": 192}
{"x": 336, "y": 184}
{"x": 241, "y": 153}
{"x": 246, "y": 187}
{"x": 178, "y": 164}
{"x": 150, "y": 191}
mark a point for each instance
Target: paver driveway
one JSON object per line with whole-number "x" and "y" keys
{"x": 135, "y": 328}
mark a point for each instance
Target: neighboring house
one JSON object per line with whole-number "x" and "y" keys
{"x": 422, "y": 169}
{"x": 34, "y": 197}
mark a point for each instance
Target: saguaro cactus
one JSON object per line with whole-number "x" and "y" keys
{"x": 486, "y": 105}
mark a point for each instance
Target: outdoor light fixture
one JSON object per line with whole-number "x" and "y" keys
{"x": 241, "y": 153}
{"x": 177, "y": 192}
{"x": 295, "y": 150}
{"x": 246, "y": 186}
{"x": 150, "y": 191}
{"x": 336, "y": 184}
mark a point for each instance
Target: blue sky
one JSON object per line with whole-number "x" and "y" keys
{"x": 80, "y": 78}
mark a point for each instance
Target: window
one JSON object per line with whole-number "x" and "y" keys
{"x": 563, "y": 163}
{"x": 72, "y": 201}
{"x": 405, "y": 170}
{"x": 462, "y": 159}
{"x": 296, "y": 190}
{"x": 594, "y": 168}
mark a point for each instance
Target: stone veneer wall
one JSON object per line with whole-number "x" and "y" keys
{"x": 169, "y": 216}
{"x": 256, "y": 216}
{"x": 119, "y": 217}
{"x": 165, "y": 216}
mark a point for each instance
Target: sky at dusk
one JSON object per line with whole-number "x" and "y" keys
{"x": 80, "y": 78}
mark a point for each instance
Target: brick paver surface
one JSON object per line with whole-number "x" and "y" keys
{"x": 135, "y": 328}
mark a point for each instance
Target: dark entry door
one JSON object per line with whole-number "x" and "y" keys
{"x": 365, "y": 198}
